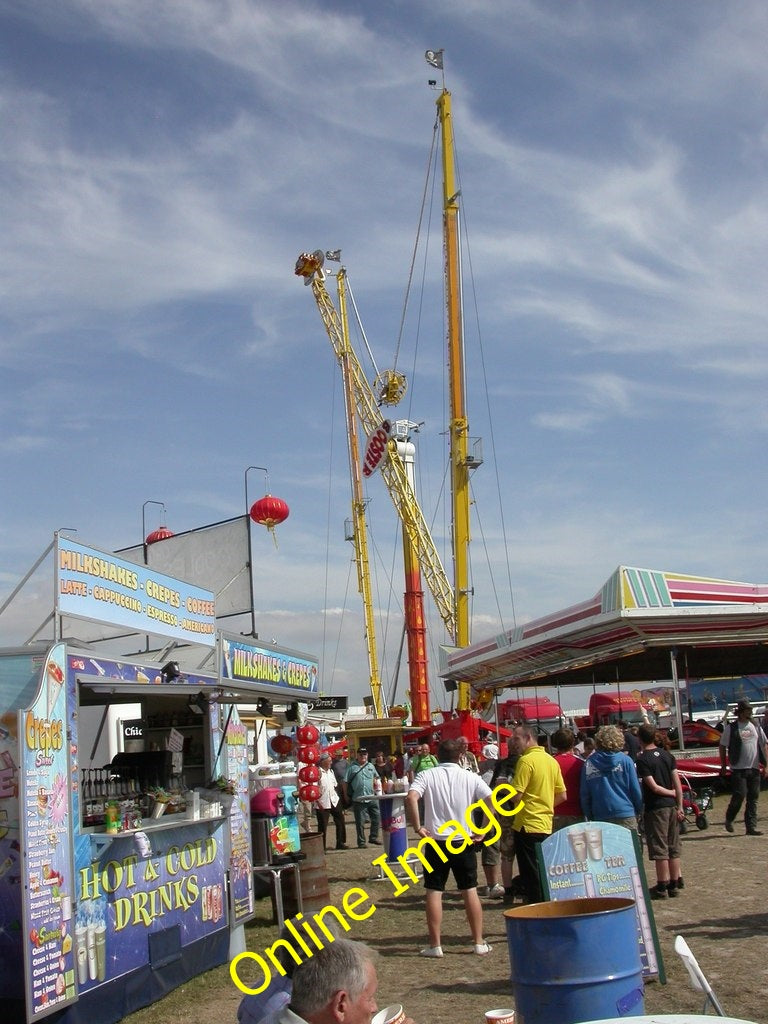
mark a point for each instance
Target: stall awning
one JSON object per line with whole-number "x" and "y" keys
{"x": 626, "y": 632}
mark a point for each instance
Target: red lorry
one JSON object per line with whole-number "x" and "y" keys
{"x": 613, "y": 707}
{"x": 543, "y": 713}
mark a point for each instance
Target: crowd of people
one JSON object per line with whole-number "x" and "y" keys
{"x": 622, "y": 775}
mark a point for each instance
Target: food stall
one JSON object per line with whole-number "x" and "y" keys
{"x": 123, "y": 876}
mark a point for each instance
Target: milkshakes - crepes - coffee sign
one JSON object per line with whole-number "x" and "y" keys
{"x": 92, "y": 584}
{"x": 282, "y": 669}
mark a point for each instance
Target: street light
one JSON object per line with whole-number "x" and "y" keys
{"x": 263, "y": 470}
{"x": 144, "y": 523}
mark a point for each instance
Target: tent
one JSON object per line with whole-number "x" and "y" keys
{"x": 643, "y": 624}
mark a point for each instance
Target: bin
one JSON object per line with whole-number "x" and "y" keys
{"x": 575, "y": 960}
{"x": 313, "y": 875}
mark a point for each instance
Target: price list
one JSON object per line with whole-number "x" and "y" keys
{"x": 49, "y": 941}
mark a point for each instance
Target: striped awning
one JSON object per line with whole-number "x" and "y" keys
{"x": 626, "y": 633}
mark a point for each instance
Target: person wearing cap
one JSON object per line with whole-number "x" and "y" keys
{"x": 328, "y": 804}
{"x": 490, "y": 752}
{"x": 358, "y": 789}
{"x": 743, "y": 746}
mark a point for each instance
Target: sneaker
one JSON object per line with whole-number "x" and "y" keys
{"x": 362, "y": 846}
{"x": 342, "y": 846}
{"x": 374, "y": 842}
{"x": 483, "y": 890}
{"x": 431, "y": 951}
{"x": 495, "y": 892}
{"x": 659, "y": 892}
{"x": 728, "y": 825}
{"x": 672, "y": 890}
{"x": 754, "y": 832}
{"x": 680, "y": 883}
{"x": 483, "y": 948}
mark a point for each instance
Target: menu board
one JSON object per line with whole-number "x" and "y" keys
{"x": 240, "y": 862}
{"x": 597, "y": 858}
{"x": 49, "y": 955}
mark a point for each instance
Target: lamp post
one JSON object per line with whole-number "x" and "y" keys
{"x": 267, "y": 511}
{"x": 144, "y": 522}
{"x": 263, "y": 470}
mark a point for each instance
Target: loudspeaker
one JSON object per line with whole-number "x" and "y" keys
{"x": 450, "y": 685}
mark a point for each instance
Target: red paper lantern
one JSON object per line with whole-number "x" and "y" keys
{"x": 309, "y": 773}
{"x": 309, "y": 754}
{"x": 309, "y": 792}
{"x": 161, "y": 533}
{"x": 307, "y": 734}
{"x": 269, "y": 511}
{"x": 281, "y": 744}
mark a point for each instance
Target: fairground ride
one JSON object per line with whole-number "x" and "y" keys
{"x": 451, "y": 600}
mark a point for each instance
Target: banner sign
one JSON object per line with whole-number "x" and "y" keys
{"x": 328, "y": 704}
{"x": 91, "y": 584}
{"x": 279, "y": 670}
{"x": 21, "y": 675}
{"x": 595, "y": 858}
{"x": 117, "y": 673}
{"x": 375, "y": 446}
{"x": 129, "y": 893}
{"x": 241, "y": 899}
{"x": 44, "y": 808}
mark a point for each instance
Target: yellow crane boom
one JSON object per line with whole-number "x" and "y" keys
{"x": 360, "y": 533}
{"x": 310, "y": 267}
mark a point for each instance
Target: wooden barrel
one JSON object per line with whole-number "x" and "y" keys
{"x": 313, "y": 875}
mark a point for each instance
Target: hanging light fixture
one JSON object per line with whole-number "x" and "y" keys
{"x": 161, "y": 533}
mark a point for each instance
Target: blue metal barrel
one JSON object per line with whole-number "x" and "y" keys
{"x": 575, "y": 960}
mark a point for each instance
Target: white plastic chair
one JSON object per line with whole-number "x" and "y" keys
{"x": 698, "y": 980}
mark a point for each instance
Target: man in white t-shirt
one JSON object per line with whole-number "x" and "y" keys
{"x": 448, "y": 791}
{"x": 744, "y": 743}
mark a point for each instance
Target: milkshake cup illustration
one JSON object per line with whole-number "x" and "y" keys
{"x": 82, "y": 954}
{"x": 91, "y": 947}
{"x": 578, "y": 841}
{"x": 595, "y": 843}
{"x": 101, "y": 952}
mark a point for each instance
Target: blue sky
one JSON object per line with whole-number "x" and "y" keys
{"x": 163, "y": 165}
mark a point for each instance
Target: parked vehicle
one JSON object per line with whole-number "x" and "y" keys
{"x": 612, "y": 708}
{"x": 543, "y": 713}
{"x": 696, "y": 734}
{"x": 695, "y": 805}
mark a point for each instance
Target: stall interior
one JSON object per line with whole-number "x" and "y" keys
{"x": 168, "y": 758}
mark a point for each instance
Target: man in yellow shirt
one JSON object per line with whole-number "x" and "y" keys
{"x": 539, "y": 784}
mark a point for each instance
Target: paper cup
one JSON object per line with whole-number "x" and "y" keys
{"x": 500, "y": 1016}
{"x": 390, "y": 1015}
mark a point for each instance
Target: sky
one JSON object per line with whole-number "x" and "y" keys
{"x": 163, "y": 164}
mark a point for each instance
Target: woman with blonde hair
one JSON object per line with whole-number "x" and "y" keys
{"x": 610, "y": 788}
